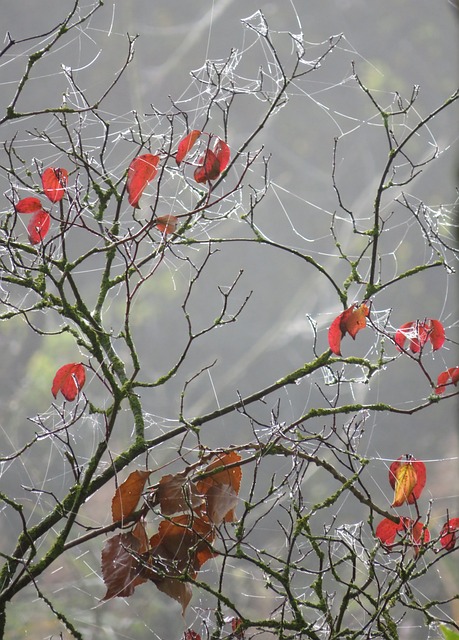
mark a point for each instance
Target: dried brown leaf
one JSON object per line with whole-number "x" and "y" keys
{"x": 127, "y": 495}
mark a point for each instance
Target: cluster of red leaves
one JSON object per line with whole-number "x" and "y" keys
{"x": 418, "y": 333}
{"x": 69, "y": 380}
{"x": 415, "y": 533}
{"x": 350, "y": 321}
{"x": 192, "y": 511}
{"x": 144, "y": 168}
{"x": 407, "y": 476}
{"x": 54, "y": 182}
{"x": 450, "y": 376}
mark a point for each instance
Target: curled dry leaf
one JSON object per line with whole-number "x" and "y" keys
{"x": 127, "y": 495}
{"x": 69, "y": 380}
{"x": 407, "y": 476}
{"x": 418, "y": 333}
{"x": 54, "y": 183}
{"x": 141, "y": 171}
{"x": 350, "y": 321}
{"x": 450, "y": 376}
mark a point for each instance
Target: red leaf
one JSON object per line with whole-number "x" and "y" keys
{"x": 166, "y": 224}
{"x": 222, "y": 151}
{"x": 69, "y": 380}
{"x": 141, "y": 171}
{"x": 436, "y": 333}
{"x": 417, "y": 333}
{"x": 416, "y": 533}
{"x": 121, "y": 570}
{"x": 448, "y": 533}
{"x": 236, "y": 628}
{"x": 350, "y": 321}
{"x": 191, "y": 635}
{"x": 54, "y": 183}
{"x": 448, "y": 376}
{"x": 209, "y": 169}
{"x": 38, "y": 226}
{"x": 186, "y": 145}
{"x": 127, "y": 495}
{"x": 212, "y": 163}
{"x": 28, "y": 205}
{"x": 407, "y": 476}
{"x": 387, "y": 530}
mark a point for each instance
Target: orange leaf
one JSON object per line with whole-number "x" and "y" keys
{"x": 186, "y": 145}
{"x": 54, "y": 183}
{"x": 141, "y": 171}
{"x": 127, "y": 495}
{"x": 166, "y": 224}
{"x": 407, "y": 476}
{"x": 69, "y": 380}
{"x": 28, "y": 205}
{"x": 121, "y": 571}
{"x": 230, "y": 476}
{"x": 38, "y": 226}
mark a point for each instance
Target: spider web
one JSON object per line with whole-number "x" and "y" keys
{"x": 298, "y": 211}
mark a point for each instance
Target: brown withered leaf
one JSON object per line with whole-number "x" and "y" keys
{"x": 183, "y": 542}
{"x": 121, "y": 570}
{"x": 180, "y": 591}
{"x": 221, "y": 488}
{"x": 221, "y": 500}
{"x": 176, "y": 493}
{"x": 127, "y": 495}
{"x": 231, "y": 477}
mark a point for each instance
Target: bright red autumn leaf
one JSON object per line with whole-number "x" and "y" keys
{"x": 69, "y": 380}
{"x": 141, "y": 171}
{"x": 448, "y": 533}
{"x": 350, "y": 321}
{"x": 54, "y": 183}
{"x": 127, "y": 495}
{"x": 191, "y": 635}
{"x": 450, "y": 376}
{"x": 186, "y": 144}
{"x": 166, "y": 224}
{"x": 417, "y": 333}
{"x": 38, "y": 226}
{"x": 213, "y": 162}
{"x": 28, "y": 205}
{"x": 407, "y": 476}
{"x": 415, "y": 532}
{"x": 222, "y": 151}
